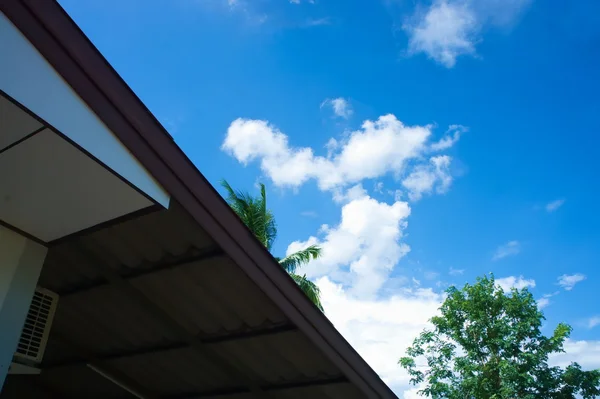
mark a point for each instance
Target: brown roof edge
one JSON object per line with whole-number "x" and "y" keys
{"x": 68, "y": 50}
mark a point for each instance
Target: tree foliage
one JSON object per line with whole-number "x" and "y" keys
{"x": 488, "y": 344}
{"x": 259, "y": 219}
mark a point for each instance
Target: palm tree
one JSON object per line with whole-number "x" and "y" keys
{"x": 254, "y": 213}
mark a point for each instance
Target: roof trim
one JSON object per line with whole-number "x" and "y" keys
{"x": 56, "y": 36}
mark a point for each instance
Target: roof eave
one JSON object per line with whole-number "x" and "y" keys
{"x": 69, "y": 51}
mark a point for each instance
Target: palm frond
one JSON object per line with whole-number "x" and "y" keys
{"x": 237, "y": 200}
{"x": 293, "y": 261}
{"x": 309, "y": 288}
{"x": 269, "y": 230}
{"x": 253, "y": 213}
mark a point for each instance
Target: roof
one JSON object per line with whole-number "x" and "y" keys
{"x": 178, "y": 303}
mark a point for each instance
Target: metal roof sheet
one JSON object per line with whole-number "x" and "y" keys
{"x": 192, "y": 280}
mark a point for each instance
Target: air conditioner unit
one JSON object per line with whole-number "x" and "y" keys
{"x": 35, "y": 333}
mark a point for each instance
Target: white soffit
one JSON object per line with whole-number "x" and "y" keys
{"x": 15, "y": 124}
{"x": 27, "y": 77}
{"x": 49, "y": 188}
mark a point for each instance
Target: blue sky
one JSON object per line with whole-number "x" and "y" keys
{"x": 480, "y": 155}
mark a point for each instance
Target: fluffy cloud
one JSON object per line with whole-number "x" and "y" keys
{"x": 509, "y": 249}
{"x": 543, "y": 302}
{"x": 381, "y": 330}
{"x": 353, "y": 193}
{"x": 340, "y": 107}
{"x": 364, "y": 247}
{"x": 449, "y": 29}
{"x": 568, "y": 281}
{"x": 359, "y": 255}
{"x": 452, "y": 136}
{"x": 446, "y": 31}
{"x": 376, "y": 149}
{"x": 424, "y": 178}
{"x": 586, "y": 353}
{"x": 554, "y": 205}
{"x": 506, "y": 283}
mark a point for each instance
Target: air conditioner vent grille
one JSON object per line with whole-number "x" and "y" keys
{"x": 37, "y": 325}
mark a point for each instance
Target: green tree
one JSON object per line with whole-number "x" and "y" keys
{"x": 254, "y": 213}
{"x": 487, "y": 344}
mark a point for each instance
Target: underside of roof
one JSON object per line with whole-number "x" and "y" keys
{"x": 176, "y": 303}
{"x": 154, "y": 302}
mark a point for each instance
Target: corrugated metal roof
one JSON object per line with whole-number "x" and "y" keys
{"x": 188, "y": 277}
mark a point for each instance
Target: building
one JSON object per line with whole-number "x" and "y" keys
{"x": 123, "y": 273}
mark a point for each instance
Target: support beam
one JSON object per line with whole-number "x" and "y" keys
{"x": 21, "y": 261}
{"x": 245, "y": 333}
{"x": 236, "y": 371}
{"x": 169, "y": 262}
{"x": 108, "y": 223}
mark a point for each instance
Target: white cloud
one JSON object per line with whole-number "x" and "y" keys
{"x": 456, "y": 272}
{"x": 449, "y": 29}
{"x": 353, "y": 193}
{"x": 509, "y": 249}
{"x": 379, "y": 314}
{"x": 506, "y": 283}
{"x": 424, "y": 178}
{"x": 593, "y": 321}
{"x": 376, "y": 149}
{"x": 452, "y": 136}
{"x": 554, "y": 205}
{"x": 446, "y": 31}
{"x": 568, "y": 281}
{"x": 543, "y": 302}
{"x": 340, "y": 106}
{"x": 397, "y": 195}
{"x": 412, "y": 393}
{"x": 381, "y": 330}
{"x": 364, "y": 248}
{"x": 586, "y": 353}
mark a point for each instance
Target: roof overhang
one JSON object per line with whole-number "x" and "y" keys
{"x": 68, "y": 51}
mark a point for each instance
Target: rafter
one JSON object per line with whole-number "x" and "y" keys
{"x": 241, "y": 334}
